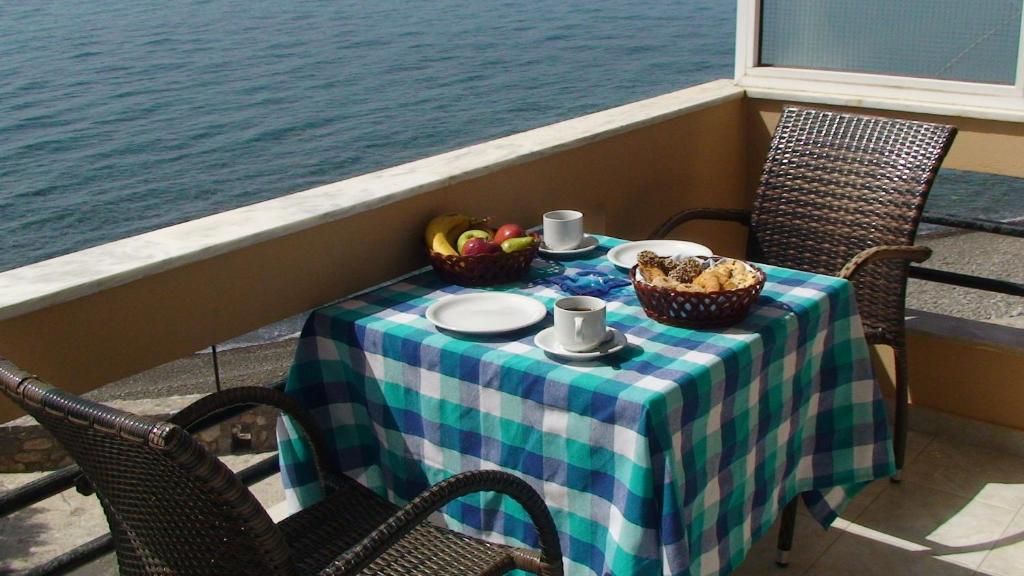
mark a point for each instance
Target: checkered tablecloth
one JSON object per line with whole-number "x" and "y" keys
{"x": 671, "y": 456}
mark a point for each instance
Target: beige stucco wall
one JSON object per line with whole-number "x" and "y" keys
{"x": 624, "y": 184}
{"x": 980, "y": 146}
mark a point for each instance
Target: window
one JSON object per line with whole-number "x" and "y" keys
{"x": 945, "y": 39}
{"x": 936, "y": 46}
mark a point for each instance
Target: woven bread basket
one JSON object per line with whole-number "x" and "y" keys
{"x": 483, "y": 269}
{"x": 697, "y": 309}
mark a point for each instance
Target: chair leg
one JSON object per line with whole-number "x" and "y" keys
{"x": 786, "y": 527}
{"x": 899, "y": 440}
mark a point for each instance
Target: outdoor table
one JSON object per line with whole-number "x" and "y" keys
{"x": 671, "y": 456}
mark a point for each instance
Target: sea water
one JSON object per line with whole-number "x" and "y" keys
{"x": 120, "y": 117}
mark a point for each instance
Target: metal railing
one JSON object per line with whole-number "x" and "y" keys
{"x": 968, "y": 280}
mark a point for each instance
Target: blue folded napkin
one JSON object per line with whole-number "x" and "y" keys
{"x": 589, "y": 283}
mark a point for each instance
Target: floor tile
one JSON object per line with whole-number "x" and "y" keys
{"x": 910, "y": 520}
{"x": 969, "y": 471}
{"x": 1007, "y": 557}
{"x": 810, "y": 540}
{"x": 916, "y": 443}
{"x": 858, "y": 555}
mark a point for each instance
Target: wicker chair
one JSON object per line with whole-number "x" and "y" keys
{"x": 175, "y": 509}
{"x": 842, "y": 194}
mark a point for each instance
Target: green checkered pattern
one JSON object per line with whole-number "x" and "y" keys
{"x": 671, "y": 456}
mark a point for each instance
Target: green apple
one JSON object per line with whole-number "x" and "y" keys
{"x": 472, "y": 234}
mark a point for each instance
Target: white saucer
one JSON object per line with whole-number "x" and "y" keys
{"x": 546, "y": 341}
{"x": 588, "y": 244}
{"x": 624, "y": 255}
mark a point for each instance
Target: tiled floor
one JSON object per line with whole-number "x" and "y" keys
{"x": 959, "y": 511}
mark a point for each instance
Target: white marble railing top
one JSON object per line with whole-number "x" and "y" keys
{"x": 1001, "y": 110}
{"x": 65, "y": 278}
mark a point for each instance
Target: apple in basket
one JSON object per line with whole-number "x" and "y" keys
{"x": 460, "y": 244}
{"x": 507, "y": 231}
{"x": 479, "y": 245}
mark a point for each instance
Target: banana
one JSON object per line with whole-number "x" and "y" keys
{"x": 437, "y": 231}
{"x": 443, "y": 231}
{"x": 453, "y": 234}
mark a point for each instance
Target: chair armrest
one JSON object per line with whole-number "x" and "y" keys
{"x": 730, "y": 215}
{"x": 402, "y": 522}
{"x": 192, "y": 416}
{"x": 878, "y": 253}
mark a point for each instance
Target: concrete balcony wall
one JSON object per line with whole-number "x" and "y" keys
{"x": 89, "y": 318}
{"x": 981, "y": 145}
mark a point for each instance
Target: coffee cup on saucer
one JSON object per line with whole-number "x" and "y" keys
{"x": 580, "y": 323}
{"x": 563, "y": 229}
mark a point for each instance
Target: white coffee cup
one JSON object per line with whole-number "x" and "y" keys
{"x": 580, "y": 323}
{"x": 563, "y": 229}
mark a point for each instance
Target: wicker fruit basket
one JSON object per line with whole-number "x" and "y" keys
{"x": 697, "y": 309}
{"x": 484, "y": 269}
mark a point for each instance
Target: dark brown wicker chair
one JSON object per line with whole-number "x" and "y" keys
{"x": 842, "y": 194}
{"x": 175, "y": 509}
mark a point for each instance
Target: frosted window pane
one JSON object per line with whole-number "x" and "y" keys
{"x": 969, "y": 40}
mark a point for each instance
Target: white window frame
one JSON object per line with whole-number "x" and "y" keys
{"x": 750, "y": 75}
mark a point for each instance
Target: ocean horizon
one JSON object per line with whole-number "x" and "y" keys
{"x": 120, "y": 118}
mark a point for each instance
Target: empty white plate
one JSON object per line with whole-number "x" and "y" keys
{"x": 548, "y": 342}
{"x": 624, "y": 255}
{"x": 485, "y": 312}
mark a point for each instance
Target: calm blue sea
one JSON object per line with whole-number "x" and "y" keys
{"x": 120, "y": 117}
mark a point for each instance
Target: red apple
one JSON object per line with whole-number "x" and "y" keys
{"x": 508, "y": 231}
{"x": 486, "y": 235}
{"x": 478, "y": 246}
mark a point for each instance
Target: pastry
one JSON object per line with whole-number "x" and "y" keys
{"x": 687, "y": 270}
{"x": 648, "y": 259}
{"x": 708, "y": 281}
{"x": 689, "y": 275}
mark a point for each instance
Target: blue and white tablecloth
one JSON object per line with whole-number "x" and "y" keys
{"x": 671, "y": 456}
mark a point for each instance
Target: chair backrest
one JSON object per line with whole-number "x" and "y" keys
{"x": 835, "y": 184}
{"x": 172, "y": 507}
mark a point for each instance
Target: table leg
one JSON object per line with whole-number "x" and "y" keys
{"x": 899, "y": 438}
{"x": 786, "y": 527}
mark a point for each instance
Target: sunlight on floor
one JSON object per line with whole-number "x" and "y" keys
{"x": 887, "y": 539}
{"x": 959, "y": 512}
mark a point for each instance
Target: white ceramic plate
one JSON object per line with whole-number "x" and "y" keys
{"x": 624, "y": 255}
{"x": 485, "y": 312}
{"x": 546, "y": 341}
{"x": 588, "y": 244}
